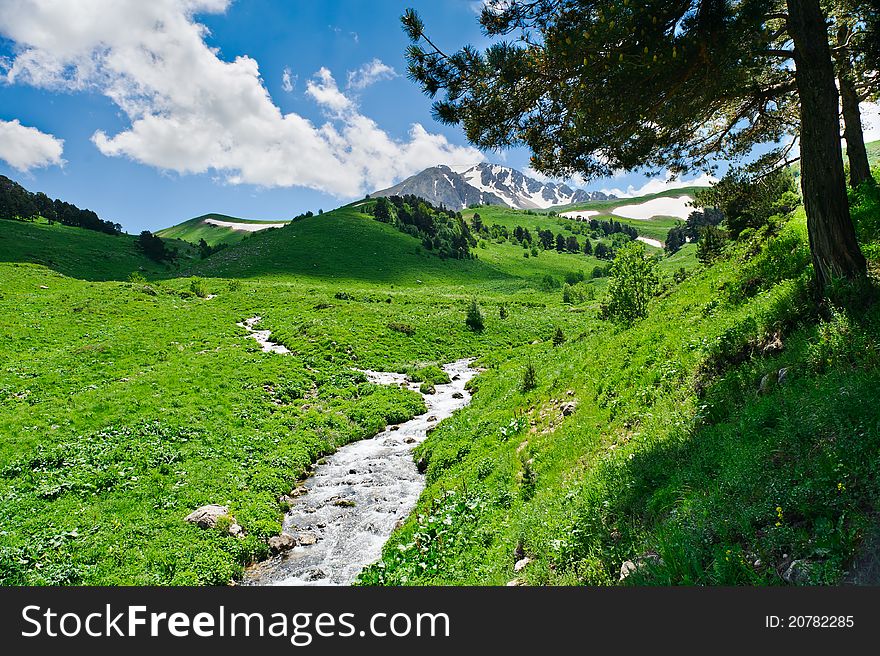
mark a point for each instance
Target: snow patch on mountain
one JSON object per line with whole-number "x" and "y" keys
{"x": 458, "y": 187}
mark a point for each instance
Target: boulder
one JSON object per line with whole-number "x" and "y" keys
{"x": 283, "y": 542}
{"x": 782, "y": 376}
{"x": 207, "y": 516}
{"x": 764, "y": 385}
{"x": 798, "y": 572}
{"x": 521, "y": 564}
{"x": 457, "y": 395}
{"x": 307, "y": 539}
{"x": 627, "y": 568}
{"x": 515, "y": 583}
{"x": 634, "y": 565}
{"x": 569, "y": 408}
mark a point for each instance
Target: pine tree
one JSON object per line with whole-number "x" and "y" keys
{"x": 474, "y": 319}
{"x": 558, "y": 337}
{"x": 596, "y": 86}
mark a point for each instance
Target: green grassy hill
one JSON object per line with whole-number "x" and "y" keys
{"x": 728, "y": 435}
{"x": 80, "y": 253}
{"x": 606, "y": 207}
{"x": 198, "y": 228}
{"x": 728, "y": 438}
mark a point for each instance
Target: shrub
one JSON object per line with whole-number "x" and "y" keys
{"x": 474, "y": 319}
{"x": 431, "y": 374}
{"x": 530, "y": 377}
{"x": 634, "y": 279}
{"x": 571, "y": 295}
{"x": 558, "y": 337}
{"x": 528, "y": 477}
{"x": 137, "y": 278}
{"x": 750, "y": 203}
{"x": 574, "y": 277}
{"x": 783, "y": 257}
{"x": 198, "y": 287}
{"x": 549, "y": 282}
{"x": 404, "y": 328}
{"x": 502, "y": 313}
{"x": 711, "y": 244}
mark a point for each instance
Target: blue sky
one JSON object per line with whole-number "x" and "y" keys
{"x": 275, "y": 108}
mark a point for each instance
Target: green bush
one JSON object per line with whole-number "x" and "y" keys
{"x": 404, "y": 328}
{"x": 530, "y": 377}
{"x": 474, "y": 319}
{"x": 549, "y": 283}
{"x": 558, "y": 337}
{"x": 198, "y": 287}
{"x": 634, "y": 279}
{"x": 432, "y": 374}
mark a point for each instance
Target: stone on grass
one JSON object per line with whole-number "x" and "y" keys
{"x": 207, "y": 516}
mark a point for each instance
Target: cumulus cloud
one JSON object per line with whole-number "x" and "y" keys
{"x": 26, "y": 148}
{"x": 288, "y": 80}
{"x": 190, "y": 111}
{"x": 370, "y": 73}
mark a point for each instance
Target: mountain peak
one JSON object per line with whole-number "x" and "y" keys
{"x": 458, "y": 187}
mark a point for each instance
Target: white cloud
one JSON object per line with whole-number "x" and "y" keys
{"x": 656, "y": 185}
{"x": 370, "y": 73}
{"x": 192, "y": 112}
{"x": 25, "y": 148}
{"x": 870, "y": 120}
{"x": 288, "y": 80}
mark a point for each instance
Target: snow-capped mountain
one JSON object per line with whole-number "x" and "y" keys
{"x": 487, "y": 184}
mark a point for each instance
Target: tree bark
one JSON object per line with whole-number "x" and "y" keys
{"x": 856, "y": 153}
{"x": 835, "y": 251}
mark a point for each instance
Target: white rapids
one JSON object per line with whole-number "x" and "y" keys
{"x": 353, "y": 501}
{"x": 262, "y": 336}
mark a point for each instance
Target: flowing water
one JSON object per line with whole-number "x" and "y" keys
{"x": 358, "y": 495}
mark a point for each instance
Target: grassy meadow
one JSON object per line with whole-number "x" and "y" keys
{"x": 129, "y": 397}
{"x": 195, "y": 229}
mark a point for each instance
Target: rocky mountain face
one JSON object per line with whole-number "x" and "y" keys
{"x": 487, "y": 184}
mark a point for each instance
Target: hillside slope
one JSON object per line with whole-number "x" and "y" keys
{"x": 216, "y": 229}
{"x": 80, "y": 253}
{"x": 728, "y": 438}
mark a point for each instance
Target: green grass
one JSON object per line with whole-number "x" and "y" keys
{"x": 195, "y": 229}
{"x": 125, "y": 405}
{"x": 655, "y": 228}
{"x": 674, "y": 449}
{"x": 80, "y": 253}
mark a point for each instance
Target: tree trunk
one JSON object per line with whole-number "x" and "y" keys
{"x": 859, "y": 168}
{"x": 833, "y": 244}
